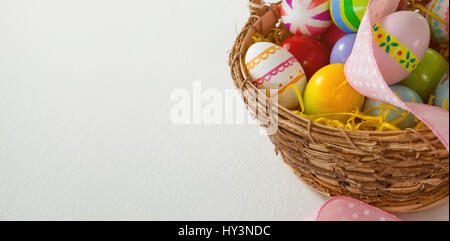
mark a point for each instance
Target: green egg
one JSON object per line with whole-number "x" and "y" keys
{"x": 426, "y": 77}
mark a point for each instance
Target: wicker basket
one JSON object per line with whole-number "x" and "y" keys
{"x": 406, "y": 171}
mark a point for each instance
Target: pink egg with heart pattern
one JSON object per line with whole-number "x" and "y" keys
{"x": 275, "y": 69}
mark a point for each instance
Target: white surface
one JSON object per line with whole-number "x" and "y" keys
{"x": 85, "y": 130}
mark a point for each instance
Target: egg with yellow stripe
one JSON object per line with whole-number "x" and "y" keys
{"x": 274, "y": 69}
{"x": 347, "y": 14}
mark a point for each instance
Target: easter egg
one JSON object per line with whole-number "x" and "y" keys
{"x": 439, "y": 30}
{"x": 332, "y": 36}
{"x": 400, "y": 41}
{"x": 425, "y": 78}
{"x": 442, "y": 99}
{"x": 343, "y": 49}
{"x": 329, "y": 92}
{"x": 273, "y": 68}
{"x": 347, "y": 14}
{"x": 310, "y": 52}
{"x": 395, "y": 115}
{"x": 306, "y": 17}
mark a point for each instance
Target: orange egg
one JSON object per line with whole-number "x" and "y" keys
{"x": 329, "y": 92}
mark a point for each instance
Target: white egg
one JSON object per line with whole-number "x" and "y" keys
{"x": 273, "y": 68}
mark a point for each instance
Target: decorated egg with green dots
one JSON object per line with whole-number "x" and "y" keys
{"x": 442, "y": 93}
{"x": 396, "y": 116}
{"x": 439, "y": 26}
{"x": 347, "y": 14}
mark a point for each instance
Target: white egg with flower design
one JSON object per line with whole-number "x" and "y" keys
{"x": 274, "y": 68}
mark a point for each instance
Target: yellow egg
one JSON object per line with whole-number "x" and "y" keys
{"x": 329, "y": 92}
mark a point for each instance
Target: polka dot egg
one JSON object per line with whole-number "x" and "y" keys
{"x": 306, "y": 17}
{"x": 439, "y": 30}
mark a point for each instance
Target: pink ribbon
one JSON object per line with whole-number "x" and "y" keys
{"x": 364, "y": 75}
{"x": 348, "y": 209}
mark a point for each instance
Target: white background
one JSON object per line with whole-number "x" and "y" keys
{"x": 85, "y": 131}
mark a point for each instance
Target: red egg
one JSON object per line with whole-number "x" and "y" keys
{"x": 310, "y": 52}
{"x": 333, "y": 34}
{"x": 403, "y": 5}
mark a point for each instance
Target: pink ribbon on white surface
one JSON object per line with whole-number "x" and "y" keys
{"x": 348, "y": 209}
{"x": 364, "y": 75}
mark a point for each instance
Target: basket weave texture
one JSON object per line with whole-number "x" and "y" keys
{"x": 405, "y": 171}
